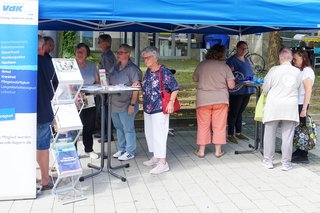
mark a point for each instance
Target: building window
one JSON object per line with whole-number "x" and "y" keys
{"x": 127, "y": 38}
{"x": 171, "y": 44}
{"x": 87, "y": 38}
{"x": 181, "y": 44}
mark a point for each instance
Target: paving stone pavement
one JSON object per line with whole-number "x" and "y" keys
{"x": 232, "y": 183}
{"x": 314, "y": 155}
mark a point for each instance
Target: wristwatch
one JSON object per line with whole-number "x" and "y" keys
{"x": 131, "y": 104}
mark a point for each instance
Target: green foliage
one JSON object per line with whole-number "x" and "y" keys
{"x": 184, "y": 68}
{"x": 95, "y": 57}
{"x": 69, "y": 41}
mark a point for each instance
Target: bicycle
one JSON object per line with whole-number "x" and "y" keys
{"x": 256, "y": 61}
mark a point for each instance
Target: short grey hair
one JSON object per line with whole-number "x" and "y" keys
{"x": 40, "y": 42}
{"x": 126, "y": 47}
{"x": 285, "y": 54}
{"x": 153, "y": 50}
{"x": 105, "y": 38}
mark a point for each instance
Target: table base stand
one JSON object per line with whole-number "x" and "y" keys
{"x": 257, "y": 137}
{"x": 257, "y": 141}
{"x": 102, "y": 157}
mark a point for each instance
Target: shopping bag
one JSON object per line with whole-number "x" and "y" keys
{"x": 305, "y": 136}
{"x": 165, "y": 101}
{"x": 166, "y": 97}
{"x": 258, "y": 115}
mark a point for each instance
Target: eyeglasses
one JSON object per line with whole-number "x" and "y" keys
{"x": 121, "y": 52}
{"x": 147, "y": 57}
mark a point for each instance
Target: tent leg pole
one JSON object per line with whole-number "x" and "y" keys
{"x": 137, "y": 49}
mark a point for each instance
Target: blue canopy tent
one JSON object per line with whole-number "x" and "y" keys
{"x": 180, "y": 16}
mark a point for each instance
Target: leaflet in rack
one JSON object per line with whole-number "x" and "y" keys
{"x": 67, "y": 160}
{"x": 66, "y": 117}
{"x": 70, "y": 80}
{"x": 67, "y": 70}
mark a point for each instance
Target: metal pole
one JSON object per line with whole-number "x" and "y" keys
{"x": 173, "y": 44}
{"x": 137, "y": 49}
{"x": 189, "y": 46}
{"x": 157, "y": 41}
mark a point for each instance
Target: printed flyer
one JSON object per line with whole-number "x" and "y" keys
{"x": 67, "y": 160}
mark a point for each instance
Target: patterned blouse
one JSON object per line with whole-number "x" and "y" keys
{"x": 152, "y": 102}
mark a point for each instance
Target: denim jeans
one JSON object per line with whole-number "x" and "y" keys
{"x": 43, "y": 136}
{"x": 126, "y": 132}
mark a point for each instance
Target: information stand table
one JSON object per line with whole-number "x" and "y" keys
{"x": 102, "y": 91}
{"x": 258, "y": 134}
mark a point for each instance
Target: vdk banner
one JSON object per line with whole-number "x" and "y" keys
{"x": 18, "y": 98}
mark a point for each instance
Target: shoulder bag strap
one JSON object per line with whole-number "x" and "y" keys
{"x": 160, "y": 80}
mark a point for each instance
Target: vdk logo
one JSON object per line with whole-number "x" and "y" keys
{"x": 12, "y": 8}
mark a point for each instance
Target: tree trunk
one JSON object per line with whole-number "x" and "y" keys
{"x": 274, "y": 48}
{"x": 60, "y": 42}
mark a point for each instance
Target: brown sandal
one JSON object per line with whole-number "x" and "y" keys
{"x": 196, "y": 152}
{"x": 48, "y": 186}
{"x": 219, "y": 155}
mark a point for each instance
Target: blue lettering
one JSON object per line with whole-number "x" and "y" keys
{"x": 6, "y": 7}
{"x": 12, "y": 8}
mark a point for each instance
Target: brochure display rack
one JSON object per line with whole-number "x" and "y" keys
{"x": 67, "y": 127}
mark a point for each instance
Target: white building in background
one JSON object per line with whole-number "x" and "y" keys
{"x": 91, "y": 38}
{"x": 171, "y": 45}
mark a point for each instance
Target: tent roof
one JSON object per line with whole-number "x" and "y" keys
{"x": 198, "y": 16}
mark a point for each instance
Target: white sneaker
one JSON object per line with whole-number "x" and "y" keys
{"x": 160, "y": 168}
{"x": 92, "y": 155}
{"x": 286, "y": 167}
{"x": 267, "y": 164}
{"x": 151, "y": 162}
{"x": 126, "y": 156}
{"x": 118, "y": 154}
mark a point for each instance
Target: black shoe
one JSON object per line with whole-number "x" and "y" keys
{"x": 106, "y": 139}
{"x": 232, "y": 139}
{"x": 300, "y": 159}
{"x": 242, "y": 137}
{"x": 97, "y": 135}
{"x": 296, "y": 153}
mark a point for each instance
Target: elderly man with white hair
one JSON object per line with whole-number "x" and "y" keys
{"x": 281, "y": 85}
